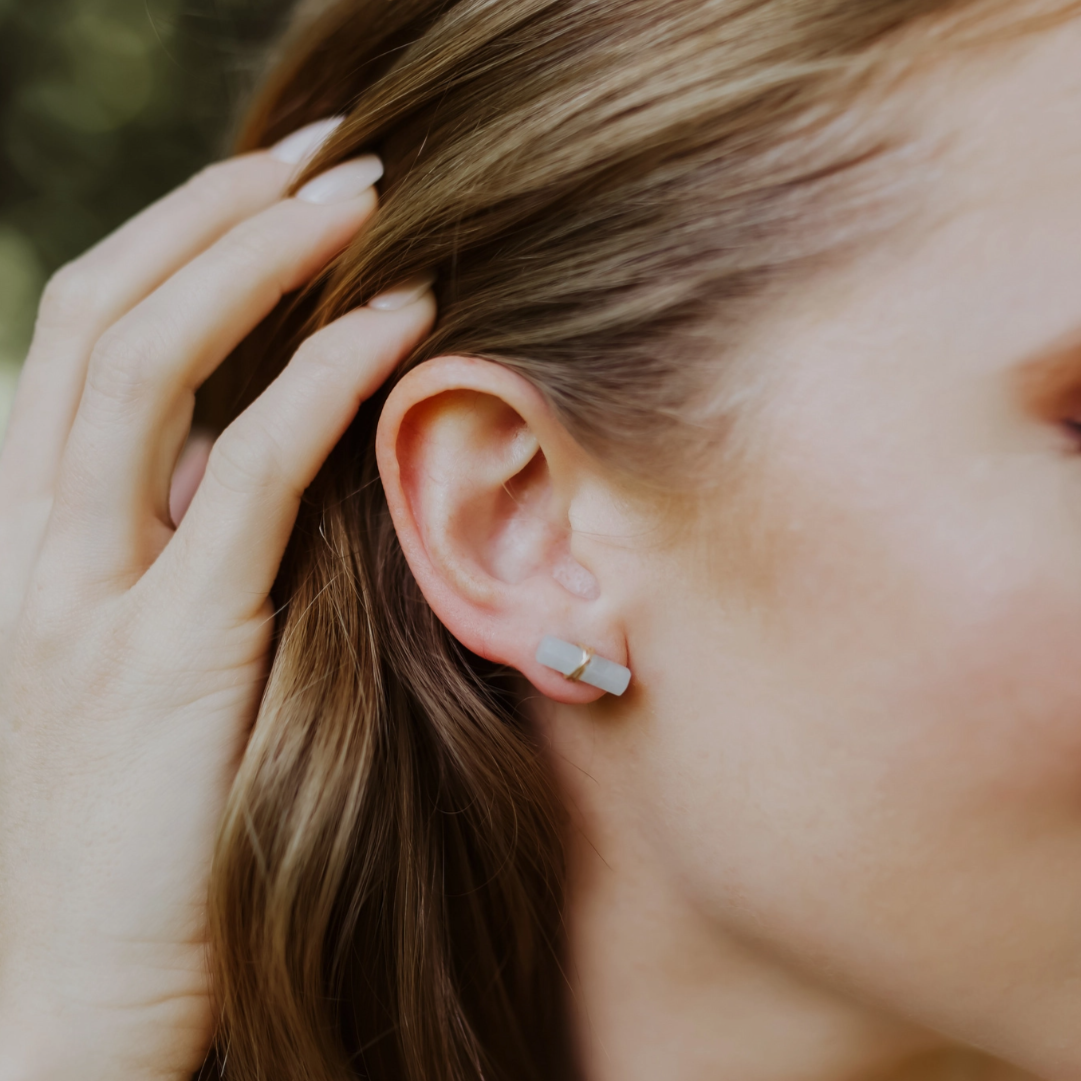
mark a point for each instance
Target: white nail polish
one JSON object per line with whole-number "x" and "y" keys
{"x": 401, "y": 296}
{"x": 303, "y": 145}
{"x": 343, "y": 182}
{"x": 583, "y": 666}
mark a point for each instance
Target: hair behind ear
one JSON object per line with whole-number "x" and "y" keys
{"x": 387, "y": 888}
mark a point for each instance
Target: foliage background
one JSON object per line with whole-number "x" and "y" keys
{"x": 104, "y": 106}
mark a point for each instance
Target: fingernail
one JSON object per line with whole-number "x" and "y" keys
{"x": 303, "y": 145}
{"x": 343, "y": 182}
{"x": 401, "y": 296}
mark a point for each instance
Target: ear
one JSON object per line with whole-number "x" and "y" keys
{"x": 483, "y": 485}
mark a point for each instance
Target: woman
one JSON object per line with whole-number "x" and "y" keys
{"x": 756, "y": 373}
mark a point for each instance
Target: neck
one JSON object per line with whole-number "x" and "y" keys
{"x": 660, "y": 990}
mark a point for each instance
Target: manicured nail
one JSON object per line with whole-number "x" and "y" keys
{"x": 303, "y": 145}
{"x": 343, "y": 182}
{"x": 401, "y": 296}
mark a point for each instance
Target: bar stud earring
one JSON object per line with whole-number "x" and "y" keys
{"x": 579, "y": 664}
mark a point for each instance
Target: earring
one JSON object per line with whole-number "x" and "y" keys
{"x": 581, "y": 665}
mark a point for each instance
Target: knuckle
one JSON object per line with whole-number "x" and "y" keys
{"x": 46, "y": 623}
{"x": 122, "y": 363}
{"x": 254, "y": 243}
{"x": 70, "y": 297}
{"x": 243, "y": 461}
{"x": 319, "y": 357}
{"x": 50, "y": 618}
{"x": 220, "y": 182}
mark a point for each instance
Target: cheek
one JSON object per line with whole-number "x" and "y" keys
{"x": 924, "y": 612}
{"x": 944, "y": 633}
{"x": 877, "y": 764}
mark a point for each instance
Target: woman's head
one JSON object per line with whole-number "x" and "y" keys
{"x": 754, "y": 357}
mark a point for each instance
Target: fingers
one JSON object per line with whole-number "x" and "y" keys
{"x": 92, "y": 293}
{"x": 140, "y": 385}
{"x": 227, "y": 550}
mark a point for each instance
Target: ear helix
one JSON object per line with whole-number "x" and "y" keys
{"x": 581, "y": 665}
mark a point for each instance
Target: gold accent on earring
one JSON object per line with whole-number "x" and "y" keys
{"x": 587, "y": 656}
{"x": 581, "y": 664}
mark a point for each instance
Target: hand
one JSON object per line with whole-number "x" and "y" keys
{"x": 132, "y": 651}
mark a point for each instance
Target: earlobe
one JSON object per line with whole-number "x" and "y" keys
{"x": 481, "y": 479}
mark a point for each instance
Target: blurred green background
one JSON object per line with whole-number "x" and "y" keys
{"x": 104, "y": 106}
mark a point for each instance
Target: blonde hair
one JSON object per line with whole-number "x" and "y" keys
{"x": 595, "y": 182}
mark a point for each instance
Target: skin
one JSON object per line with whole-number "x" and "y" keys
{"x": 832, "y": 831}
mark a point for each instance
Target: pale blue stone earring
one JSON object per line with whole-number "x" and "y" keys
{"x": 582, "y": 665}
